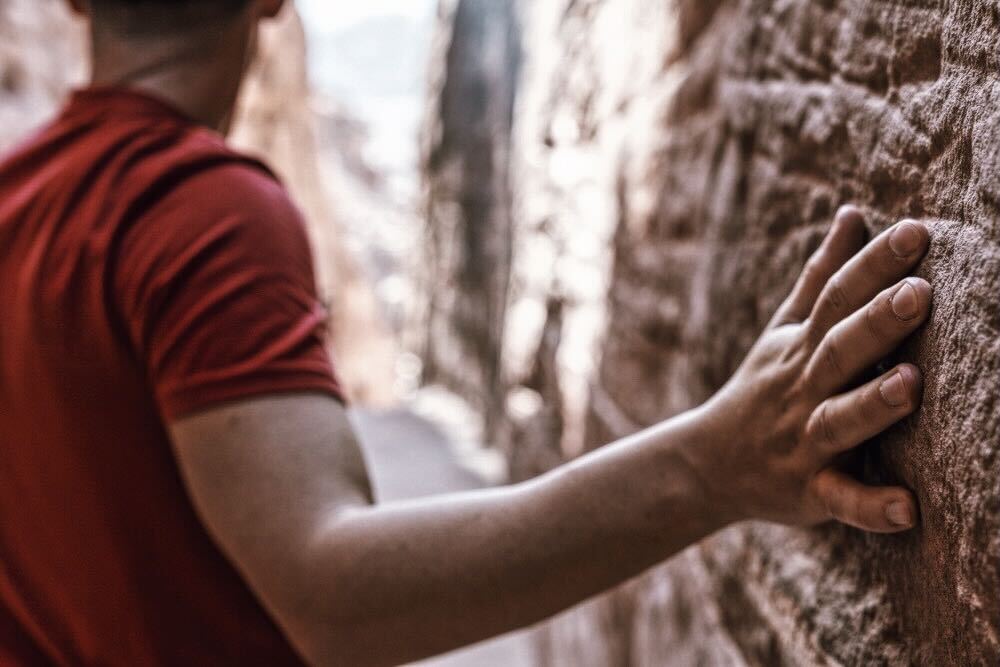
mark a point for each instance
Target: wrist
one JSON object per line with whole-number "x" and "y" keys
{"x": 703, "y": 453}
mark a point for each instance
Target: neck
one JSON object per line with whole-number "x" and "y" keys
{"x": 201, "y": 77}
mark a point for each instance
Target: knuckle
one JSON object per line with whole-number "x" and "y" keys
{"x": 867, "y": 407}
{"x": 815, "y": 268}
{"x": 836, "y": 294}
{"x": 881, "y": 262}
{"x": 812, "y": 383}
{"x": 819, "y": 429}
{"x": 857, "y": 513}
{"x": 795, "y": 354}
{"x": 831, "y": 504}
{"x": 830, "y": 354}
{"x": 797, "y": 404}
{"x": 874, "y": 263}
{"x": 864, "y": 411}
{"x": 873, "y": 321}
{"x": 813, "y": 330}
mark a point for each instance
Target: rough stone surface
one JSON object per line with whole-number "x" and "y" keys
{"x": 466, "y": 158}
{"x": 42, "y": 55}
{"x": 733, "y": 130}
{"x": 586, "y": 118}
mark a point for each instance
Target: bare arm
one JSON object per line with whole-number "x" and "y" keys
{"x": 280, "y": 483}
{"x": 357, "y": 584}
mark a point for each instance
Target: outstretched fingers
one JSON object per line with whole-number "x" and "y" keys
{"x": 843, "y": 422}
{"x": 846, "y": 237}
{"x": 877, "y": 509}
{"x": 890, "y": 257}
{"x": 868, "y": 335}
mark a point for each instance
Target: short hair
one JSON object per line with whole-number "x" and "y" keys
{"x": 147, "y": 18}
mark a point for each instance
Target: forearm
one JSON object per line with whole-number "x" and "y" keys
{"x": 280, "y": 482}
{"x": 413, "y": 579}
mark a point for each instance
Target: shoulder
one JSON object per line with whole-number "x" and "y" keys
{"x": 202, "y": 165}
{"x": 231, "y": 186}
{"x": 152, "y": 166}
{"x": 202, "y": 188}
{"x": 210, "y": 206}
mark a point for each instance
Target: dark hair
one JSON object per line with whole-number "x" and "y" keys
{"x": 152, "y": 17}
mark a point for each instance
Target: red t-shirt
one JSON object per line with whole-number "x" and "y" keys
{"x": 146, "y": 272}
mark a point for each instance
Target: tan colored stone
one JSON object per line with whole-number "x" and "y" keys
{"x": 716, "y": 139}
{"x": 466, "y": 156}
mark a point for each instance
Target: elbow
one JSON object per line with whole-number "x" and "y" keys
{"x": 325, "y": 611}
{"x": 347, "y": 647}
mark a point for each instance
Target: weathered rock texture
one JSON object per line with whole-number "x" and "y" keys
{"x": 466, "y": 158}
{"x": 733, "y": 130}
{"x": 588, "y": 106}
{"x": 42, "y": 55}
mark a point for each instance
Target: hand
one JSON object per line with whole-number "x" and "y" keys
{"x": 779, "y": 428}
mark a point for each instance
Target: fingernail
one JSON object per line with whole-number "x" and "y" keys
{"x": 904, "y": 302}
{"x": 905, "y": 239}
{"x": 893, "y": 390}
{"x": 898, "y": 513}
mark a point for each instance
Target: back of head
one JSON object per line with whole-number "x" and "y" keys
{"x": 193, "y": 53}
{"x": 162, "y": 18}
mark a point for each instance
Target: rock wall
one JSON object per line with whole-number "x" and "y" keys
{"x": 466, "y": 165}
{"x": 588, "y": 100}
{"x": 716, "y": 138}
{"x": 42, "y": 55}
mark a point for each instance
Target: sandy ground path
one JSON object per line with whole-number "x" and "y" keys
{"x": 410, "y": 457}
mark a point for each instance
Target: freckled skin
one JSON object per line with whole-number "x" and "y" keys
{"x": 280, "y": 483}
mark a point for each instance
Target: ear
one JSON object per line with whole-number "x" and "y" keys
{"x": 78, "y": 7}
{"x": 269, "y": 8}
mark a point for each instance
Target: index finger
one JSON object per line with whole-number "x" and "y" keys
{"x": 888, "y": 258}
{"x": 845, "y": 239}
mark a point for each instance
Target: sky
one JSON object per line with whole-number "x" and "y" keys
{"x": 371, "y": 56}
{"x": 329, "y": 16}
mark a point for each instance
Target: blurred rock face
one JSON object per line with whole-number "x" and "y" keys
{"x": 711, "y": 142}
{"x": 42, "y": 55}
{"x": 466, "y": 158}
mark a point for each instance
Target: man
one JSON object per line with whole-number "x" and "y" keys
{"x": 179, "y": 484}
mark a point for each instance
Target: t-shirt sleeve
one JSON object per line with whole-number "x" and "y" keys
{"x": 216, "y": 289}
